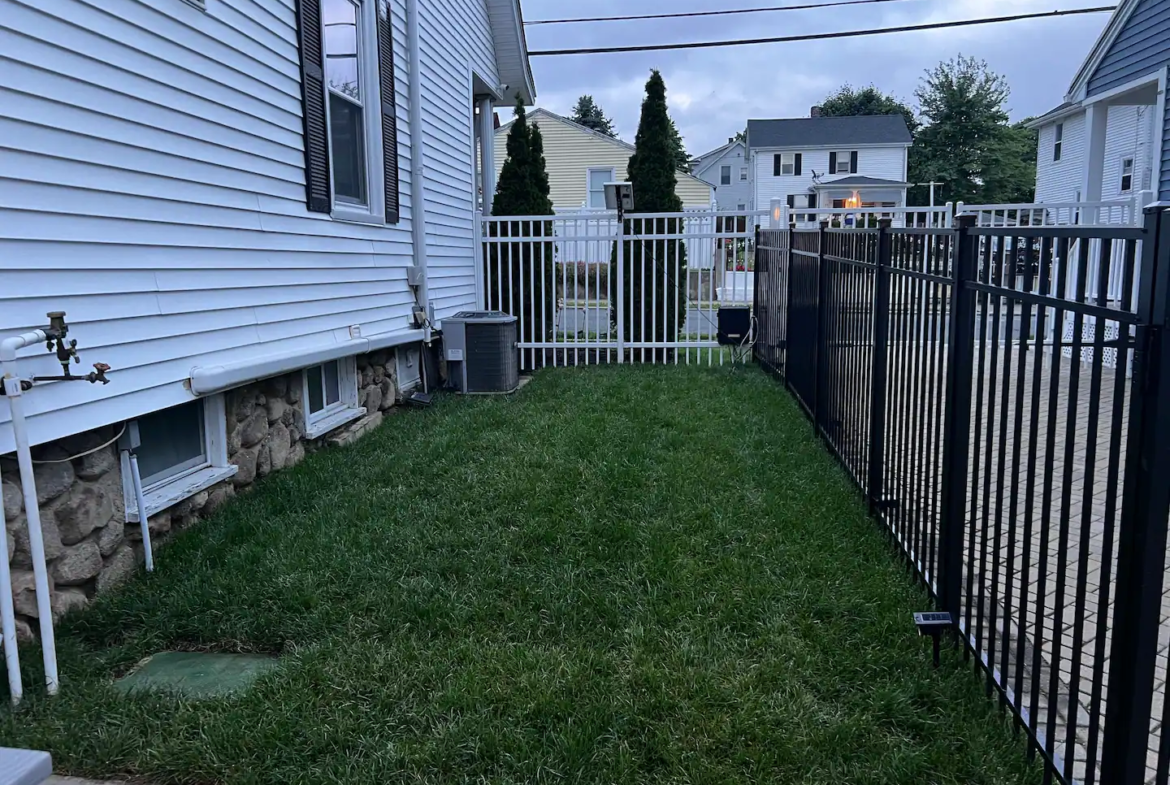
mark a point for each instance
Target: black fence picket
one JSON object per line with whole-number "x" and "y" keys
{"x": 1002, "y": 398}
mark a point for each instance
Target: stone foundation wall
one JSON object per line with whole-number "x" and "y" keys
{"x": 90, "y": 547}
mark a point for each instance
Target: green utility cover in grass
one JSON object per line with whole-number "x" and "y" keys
{"x": 197, "y": 674}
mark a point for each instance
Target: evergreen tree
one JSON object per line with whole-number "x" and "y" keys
{"x": 590, "y": 115}
{"x": 682, "y": 161}
{"x": 655, "y": 270}
{"x": 513, "y": 278}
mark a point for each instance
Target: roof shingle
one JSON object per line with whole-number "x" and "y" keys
{"x": 828, "y": 131}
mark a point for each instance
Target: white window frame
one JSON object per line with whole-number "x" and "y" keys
{"x": 190, "y": 480}
{"x": 1058, "y": 141}
{"x": 369, "y": 79}
{"x": 589, "y": 184}
{"x": 844, "y": 158}
{"x": 787, "y": 164}
{"x": 743, "y": 174}
{"x": 725, "y": 168}
{"x": 1129, "y": 159}
{"x": 336, "y": 414}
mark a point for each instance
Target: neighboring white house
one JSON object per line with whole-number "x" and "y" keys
{"x": 1109, "y": 139}
{"x": 580, "y": 161}
{"x": 255, "y": 211}
{"x": 726, "y": 168}
{"x": 829, "y": 161}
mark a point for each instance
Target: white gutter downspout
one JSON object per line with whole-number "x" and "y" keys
{"x": 8, "y": 617}
{"x": 418, "y": 213}
{"x": 36, "y": 543}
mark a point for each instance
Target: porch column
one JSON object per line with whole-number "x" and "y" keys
{"x": 487, "y": 152}
{"x": 1096, "y": 122}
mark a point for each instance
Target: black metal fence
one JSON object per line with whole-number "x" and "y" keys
{"x": 1002, "y": 398}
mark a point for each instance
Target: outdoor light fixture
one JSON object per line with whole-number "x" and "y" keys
{"x": 933, "y": 624}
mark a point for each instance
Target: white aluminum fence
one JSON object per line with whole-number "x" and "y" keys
{"x": 1118, "y": 212}
{"x": 865, "y": 217}
{"x": 673, "y": 272}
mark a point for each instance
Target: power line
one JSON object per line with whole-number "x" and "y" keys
{"x": 726, "y": 12}
{"x": 818, "y": 36}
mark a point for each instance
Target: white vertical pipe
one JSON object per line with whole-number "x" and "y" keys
{"x": 8, "y": 616}
{"x": 36, "y": 543}
{"x": 418, "y": 210}
{"x": 487, "y": 152}
{"x": 143, "y": 520}
{"x": 621, "y": 286}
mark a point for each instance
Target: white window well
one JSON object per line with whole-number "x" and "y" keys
{"x": 181, "y": 451}
{"x": 330, "y": 396}
{"x": 353, "y": 108}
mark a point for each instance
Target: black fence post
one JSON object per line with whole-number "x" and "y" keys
{"x": 879, "y": 372}
{"x": 1141, "y": 549}
{"x": 820, "y": 365}
{"x": 760, "y": 319}
{"x": 957, "y": 417}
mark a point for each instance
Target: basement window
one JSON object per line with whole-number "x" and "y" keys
{"x": 330, "y": 396}
{"x": 182, "y": 451}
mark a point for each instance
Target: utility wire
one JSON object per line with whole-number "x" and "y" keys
{"x": 726, "y": 12}
{"x": 818, "y": 36}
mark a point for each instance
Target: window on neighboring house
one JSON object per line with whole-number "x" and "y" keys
{"x": 725, "y": 175}
{"x": 330, "y": 396}
{"x": 786, "y": 164}
{"x": 1059, "y": 141}
{"x": 181, "y": 451}
{"x": 812, "y": 203}
{"x": 838, "y": 204}
{"x": 597, "y": 180}
{"x": 843, "y": 165}
{"x": 743, "y": 174}
{"x": 1126, "y": 175}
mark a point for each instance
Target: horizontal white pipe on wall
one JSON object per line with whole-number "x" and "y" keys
{"x": 217, "y": 378}
{"x": 36, "y": 544}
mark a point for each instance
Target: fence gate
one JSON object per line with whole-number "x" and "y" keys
{"x": 1020, "y": 470}
{"x": 589, "y": 290}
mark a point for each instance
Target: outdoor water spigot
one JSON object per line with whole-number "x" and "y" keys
{"x": 98, "y": 374}
{"x": 64, "y": 352}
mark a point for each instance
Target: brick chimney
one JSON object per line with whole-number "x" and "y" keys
{"x": 814, "y": 112}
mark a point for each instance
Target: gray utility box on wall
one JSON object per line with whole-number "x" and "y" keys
{"x": 481, "y": 352}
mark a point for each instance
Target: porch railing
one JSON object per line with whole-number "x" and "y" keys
{"x": 1116, "y": 212}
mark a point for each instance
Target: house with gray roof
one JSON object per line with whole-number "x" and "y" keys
{"x": 815, "y": 161}
{"x": 1109, "y": 139}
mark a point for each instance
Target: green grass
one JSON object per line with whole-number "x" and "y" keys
{"x": 635, "y": 574}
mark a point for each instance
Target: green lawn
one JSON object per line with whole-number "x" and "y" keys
{"x": 621, "y": 574}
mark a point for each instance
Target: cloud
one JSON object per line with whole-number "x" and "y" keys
{"x": 713, "y": 92}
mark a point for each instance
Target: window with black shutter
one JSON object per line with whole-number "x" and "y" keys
{"x": 797, "y": 165}
{"x": 853, "y": 162}
{"x": 349, "y": 103}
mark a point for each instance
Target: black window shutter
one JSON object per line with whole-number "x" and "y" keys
{"x": 318, "y": 195}
{"x": 832, "y": 163}
{"x": 777, "y": 165}
{"x": 796, "y": 166}
{"x": 389, "y": 111}
{"x": 853, "y": 162}
{"x": 791, "y": 200}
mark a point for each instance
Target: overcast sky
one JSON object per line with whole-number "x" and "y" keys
{"x": 713, "y": 92}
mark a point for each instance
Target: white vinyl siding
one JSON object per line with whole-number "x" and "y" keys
{"x": 1129, "y": 134}
{"x": 886, "y": 163}
{"x": 153, "y": 187}
{"x": 570, "y": 151}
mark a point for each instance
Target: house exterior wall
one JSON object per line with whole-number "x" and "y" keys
{"x": 888, "y": 163}
{"x": 89, "y": 545}
{"x": 570, "y": 152}
{"x": 1142, "y": 47}
{"x": 1130, "y": 132}
{"x": 728, "y": 197}
{"x": 153, "y": 187}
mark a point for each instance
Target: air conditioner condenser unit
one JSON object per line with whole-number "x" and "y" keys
{"x": 482, "y": 356}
